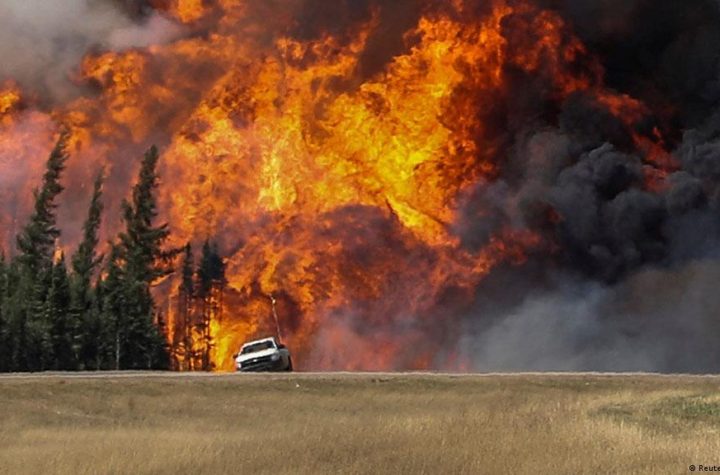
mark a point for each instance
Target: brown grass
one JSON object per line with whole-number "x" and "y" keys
{"x": 359, "y": 424}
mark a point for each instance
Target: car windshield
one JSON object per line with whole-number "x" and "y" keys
{"x": 254, "y": 348}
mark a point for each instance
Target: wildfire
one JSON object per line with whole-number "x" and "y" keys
{"x": 9, "y": 100}
{"x": 658, "y": 162}
{"x": 333, "y": 191}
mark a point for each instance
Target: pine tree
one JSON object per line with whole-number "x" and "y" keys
{"x": 96, "y": 329}
{"x": 113, "y": 313}
{"x": 38, "y": 348}
{"x": 58, "y": 318}
{"x": 32, "y": 348}
{"x": 186, "y": 299}
{"x": 205, "y": 295}
{"x": 145, "y": 262}
{"x": 85, "y": 318}
{"x": 4, "y": 326}
{"x": 211, "y": 289}
{"x": 36, "y": 243}
{"x": 15, "y": 324}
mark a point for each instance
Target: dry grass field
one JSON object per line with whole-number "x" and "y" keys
{"x": 309, "y": 424}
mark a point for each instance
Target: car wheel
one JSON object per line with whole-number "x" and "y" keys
{"x": 289, "y": 365}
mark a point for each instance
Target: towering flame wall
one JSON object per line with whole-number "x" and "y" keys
{"x": 376, "y": 166}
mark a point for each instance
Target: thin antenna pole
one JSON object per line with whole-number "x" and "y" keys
{"x": 275, "y": 316}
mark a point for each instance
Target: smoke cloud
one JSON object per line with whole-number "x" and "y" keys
{"x": 657, "y": 320}
{"x": 42, "y": 43}
{"x": 632, "y": 284}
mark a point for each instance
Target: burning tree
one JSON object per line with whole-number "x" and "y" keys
{"x": 200, "y": 303}
{"x": 211, "y": 291}
{"x": 184, "y": 350}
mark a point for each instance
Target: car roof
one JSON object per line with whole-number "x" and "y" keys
{"x": 271, "y": 339}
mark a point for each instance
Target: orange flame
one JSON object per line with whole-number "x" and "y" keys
{"x": 333, "y": 191}
{"x": 9, "y": 101}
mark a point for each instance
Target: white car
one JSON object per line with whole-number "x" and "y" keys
{"x": 263, "y": 355}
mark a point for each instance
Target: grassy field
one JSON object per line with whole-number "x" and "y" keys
{"x": 359, "y": 424}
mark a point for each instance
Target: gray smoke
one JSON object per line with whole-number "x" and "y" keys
{"x": 658, "y": 320}
{"x": 42, "y": 42}
{"x": 631, "y": 284}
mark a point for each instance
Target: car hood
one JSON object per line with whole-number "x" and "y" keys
{"x": 258, "y": 354}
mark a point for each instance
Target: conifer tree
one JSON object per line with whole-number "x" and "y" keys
{"x": 32, "y": 346}
{"x": 85, "y": 317}
{"x": 37, "y": 349}
{"x": 15, "y": 336}
{"x": 113, "y": 314}
{"x": 96, "y": 329}
{"x": 211, "y": 287}
{"x": 54, "y": 319}
{"x": 4, "y": 326}
{"x": 186, "y": 300}
{"x": 145, "y": 262}
{"x": 36, "y": 243}
{"x": 58, "y": 319}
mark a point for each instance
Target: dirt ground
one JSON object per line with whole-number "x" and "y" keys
{"x": 365, "y": 423}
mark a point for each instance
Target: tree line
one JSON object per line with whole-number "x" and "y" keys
{"x": 199, "y": 303}
{"x": 97, "y": 312}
